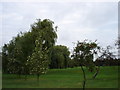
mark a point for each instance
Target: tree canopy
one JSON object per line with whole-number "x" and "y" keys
{"x": 83, "y": 53}
{"x": 59, "y": 57}
{"x": 41, "y": 37}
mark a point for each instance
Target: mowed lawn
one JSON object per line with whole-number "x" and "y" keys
{"x": 65, "y": 78}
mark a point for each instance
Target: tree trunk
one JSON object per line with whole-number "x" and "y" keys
{"x": 84, "y": 76}
{"x": 97, "y": 71}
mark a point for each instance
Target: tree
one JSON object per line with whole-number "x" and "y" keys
{"x": 16, "y": 53}
{"x": 72, "y": 63}
{"x": 107, "y": 54}
{"x": 4, "y": 58}
{"x": 117, "y": 43}
{"x": 59, "y": 57}
{"x": 39, "y": 60}
{"x": 83, "y": 53}
{"x": 0, "y": 61}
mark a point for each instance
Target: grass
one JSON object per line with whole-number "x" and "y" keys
{"x": 0, "y": 78}
{"x": 65, "y": 78}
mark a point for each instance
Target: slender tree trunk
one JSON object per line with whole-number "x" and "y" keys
{"x": 84, "y": 76}
{"x": 97, "y": 71}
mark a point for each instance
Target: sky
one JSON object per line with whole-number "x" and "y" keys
{"x": 76, "y": 21}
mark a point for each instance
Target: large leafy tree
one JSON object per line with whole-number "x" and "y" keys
{"x": 59, "y": 57}
{"x": 83, "y": 53}
{"x": 10, "y": 56}
{"x": 39, "y": 60}
{"x": 15, "y": 54}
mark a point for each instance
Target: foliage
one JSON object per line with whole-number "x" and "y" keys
{"x": 4, "y": 58}
{"x": 72, "y": 63}
{"x": 107, "y": 54}
{"x": 117, "y": 43}
{"x": 107, "y": 62}
{"x": 107, "y": 57}
{"x": 59, "y": 57}
{"x": 83, "y": 53}
{"x": 15, "y": 54}
{"x": 38, "y": 62}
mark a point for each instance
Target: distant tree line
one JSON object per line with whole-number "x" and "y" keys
{"x": 106, "y": 58}
{"x": 59, "y": 57}
{"x": 107, "y": 62}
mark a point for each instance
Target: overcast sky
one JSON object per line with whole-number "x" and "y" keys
{"x": 75, "y": 20}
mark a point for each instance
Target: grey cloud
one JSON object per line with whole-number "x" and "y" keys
{"x": 76, "y": 21}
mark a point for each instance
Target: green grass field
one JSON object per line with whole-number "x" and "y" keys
{"x": 65, "y": 78}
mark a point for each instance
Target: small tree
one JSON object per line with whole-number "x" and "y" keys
{"x": 83, "y": 53}
{"x": 38, "y": 62}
